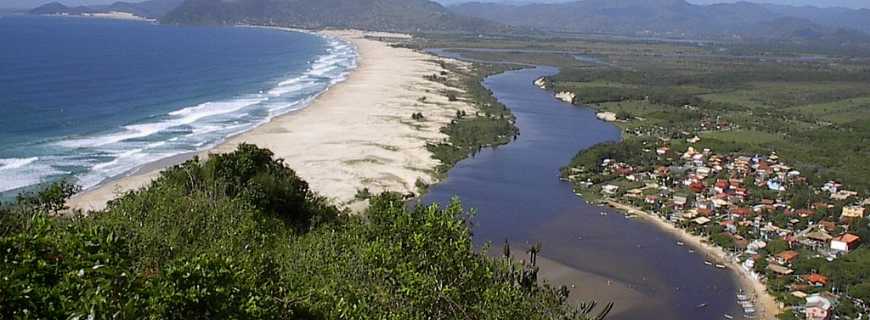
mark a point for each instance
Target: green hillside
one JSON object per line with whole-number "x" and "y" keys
{"x": 240, "y": 236}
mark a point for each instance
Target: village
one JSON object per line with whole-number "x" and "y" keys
{"x": 775, "y": 226}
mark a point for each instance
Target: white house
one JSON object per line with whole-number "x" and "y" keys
{"x": 818, "y": 308}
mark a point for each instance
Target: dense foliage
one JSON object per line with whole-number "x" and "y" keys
{"x": 493, "y": 124}
{"x": 241, "y": 236}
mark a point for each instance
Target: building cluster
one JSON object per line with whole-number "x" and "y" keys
{"x": 743, "y": 202}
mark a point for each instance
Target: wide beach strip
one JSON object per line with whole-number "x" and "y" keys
{"x": 358, "y": 134}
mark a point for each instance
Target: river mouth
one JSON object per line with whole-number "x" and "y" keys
{"x": 518, "y": 197}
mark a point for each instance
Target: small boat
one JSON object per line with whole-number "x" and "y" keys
{"x": 721, "y": 266}
{"x": 680, "y": 243}
{"x": 708, "y": 263}
{"x": 749, "y": 310}
{"x": 742, "y": 297}
{"x": 691, "y": 251}
{"x": 728, "y": 316}
{"x": 603, "y": 213}
{"x": 703, "y": 305}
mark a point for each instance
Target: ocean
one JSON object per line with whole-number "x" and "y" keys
{"x": 88, "y": 99}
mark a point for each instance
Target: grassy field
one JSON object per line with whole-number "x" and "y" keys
{"x": 753, "y": 137}
{"x": 791, "y": 94}
{"x": 841, "y": 111}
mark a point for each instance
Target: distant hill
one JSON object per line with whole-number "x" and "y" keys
{"x": 677, "y": 18}
{"x": 149, "y": 9}
{"x": 388, "y": 15}
{"x": 58, "y": 8}
{"x": 832, "y": 17}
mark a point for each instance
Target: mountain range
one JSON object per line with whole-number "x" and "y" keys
{"x": 678, "y": 18}
{"x": 659, "y": 18}
{"x": 387, "y": 15}
{"x": 149, "y": 9}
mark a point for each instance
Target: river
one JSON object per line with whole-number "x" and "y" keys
{"x": 518, "y": 196}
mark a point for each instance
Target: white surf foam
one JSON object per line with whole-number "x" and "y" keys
{"x": 191, "y": 129}
{"x": 18, "y": 173}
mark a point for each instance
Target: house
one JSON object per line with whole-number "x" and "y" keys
{"x": 606, "y": 116}
{"x": 775, "y": 185}
{"x": 741, "y": 212}
{"x": 701, "y": 220}
{"x": 721, "y": 185}
{"x": 852, "y": 212}
{"x": 680, "y": 201}
{"x": 763, "y": 168}
{"x": 819, "y": 237}
{"x": 799, "y": 294}
{"x": 609, "y": 189}
{"x": 828, "y": 225}
{"x": 568, "y": 97}
{"x": 804, "y": 213}
{"x": 843, "y": 195}
{"x": 778, "y": 269}
{"x": 817, "y": 308}
{"x": 816, "y": 279}
{"x": 786, "y": 257}
{"x": 832, "y": 186}
{"x": 624, "y": 170}
{"x": 663, "y": 151}
{"x": 845, "y": 243}
{"x": 697, "y": 187}
{"x": 663, "y": 171}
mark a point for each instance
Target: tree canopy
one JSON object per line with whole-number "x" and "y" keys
{"x": 241, "y": 236}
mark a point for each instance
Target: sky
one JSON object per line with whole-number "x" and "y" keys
{"x": 855, "y": 4}
{"x": 818, "y": 3}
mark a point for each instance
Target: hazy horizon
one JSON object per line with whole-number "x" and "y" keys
{"x": 854, "y": 4}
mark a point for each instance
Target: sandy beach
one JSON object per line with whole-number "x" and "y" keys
{"x": 766, "y": 304}
{"x": 358, "y": 134}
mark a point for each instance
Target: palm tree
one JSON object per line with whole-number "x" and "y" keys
{"x": 533, "y": 253}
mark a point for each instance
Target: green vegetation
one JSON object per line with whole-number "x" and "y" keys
{"x": 418, "y": 116}
{"x": 240, "y": 236}
{"x": 380, "y": 15}
{"x": 491, "y": 125}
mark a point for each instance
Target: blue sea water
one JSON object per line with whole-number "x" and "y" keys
{"x": 90, "y": 99}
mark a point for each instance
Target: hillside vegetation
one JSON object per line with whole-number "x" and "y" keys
{"x": 681, "y": 19}
{"x": 383, "y": 15}
{"x": 241, "y": 236}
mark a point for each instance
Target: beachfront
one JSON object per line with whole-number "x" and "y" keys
{"x": 358, "y": 134}
{"x": 767, "y": 307}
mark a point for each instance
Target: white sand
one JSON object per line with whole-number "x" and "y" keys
{"x": 357, "y": 134}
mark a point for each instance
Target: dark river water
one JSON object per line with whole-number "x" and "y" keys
{"x": 518, "y": 196}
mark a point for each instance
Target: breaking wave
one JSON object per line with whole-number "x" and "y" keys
{"x": 92, "y": 159}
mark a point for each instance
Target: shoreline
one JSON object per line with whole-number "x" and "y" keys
{"x": 765, "y": 303}
{"x": 356, "y": 134}
{"x": 112, "y": 15}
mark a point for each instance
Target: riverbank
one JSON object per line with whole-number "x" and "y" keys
{"x": 358, "y": 134}
{"x": 766, "y": 304}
